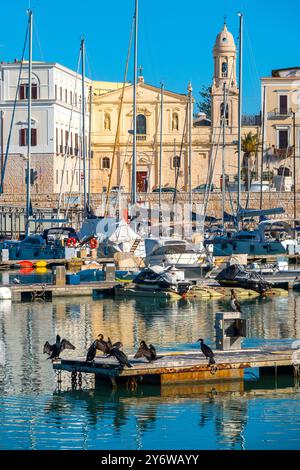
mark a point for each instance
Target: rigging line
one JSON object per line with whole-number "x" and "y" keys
{"x": 38, "y": 40}
{"x": 180, "y": 153}
{"x": 119, "y": 118}
{"x": 67, "y": 147}
{"x": 13, "y": 112}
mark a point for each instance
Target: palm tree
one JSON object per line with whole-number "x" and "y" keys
{"x": 250, "y": 144}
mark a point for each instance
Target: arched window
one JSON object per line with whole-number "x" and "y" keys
{"x": 224, "y": 69}
{"x": 222, "y": 114}
{"x": 141, "y": 124}
{"x": 176, "y": 162}
{"x": 107, "y": 122}
{"x": 175, "y": 122}
{"x": 105, "y": 163}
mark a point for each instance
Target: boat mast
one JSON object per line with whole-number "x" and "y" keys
{"x": 160, "y": 153}
{"x": 240, "y": 108}
{"x": 28, "y": 179}
{"x": 262, "y": 147}
{"x": 133, "y": 183}
{"x": 223, "y": 152}
{"x": 90, "y": 148}
{"x": 190, "y": 107}
{"x": 83, "y": 124}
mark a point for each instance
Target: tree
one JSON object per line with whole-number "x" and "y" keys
{"x": 250, "y": 144}
{"x": 204, "y": 105}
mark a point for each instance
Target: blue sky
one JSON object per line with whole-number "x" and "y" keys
{"x": 175, "y": 37}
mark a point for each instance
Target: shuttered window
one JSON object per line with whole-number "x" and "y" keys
{"x": 23, "y": 137}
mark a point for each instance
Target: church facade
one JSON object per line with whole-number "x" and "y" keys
{"x": 112, "y": 124}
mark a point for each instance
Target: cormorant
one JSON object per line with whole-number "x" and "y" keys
{"x": 120, "y": 356}
{"x": 149, "y": 352}
{"x": 207, "y": 351}
{"x": 55, "y": 349}
{"x": 235, "y": 304}
{"x": 91, "y": 354}
{"x": 102, "y": 345}
{"x": 118, "y": 344}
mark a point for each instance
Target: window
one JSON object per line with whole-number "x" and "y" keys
{"x": 107, "y": 122}
{"x": 66, "y": 96}
{"x": 23, "y": 137}
{"x": 56, "y": 138}
{"x": 71, "y": 97}
{"x": 283, "y": 104}
{"x": 283, "y": 138}
{"x": 60, "y": 93}
{"x": 175, "y": 122}
{"x": 24, "y": 91}
{"x": 176, "y": 162}
{"x": 224, "y": 69}
{"x": 66, "y": 140}
{"x": 222, "y": 114}
{"x": 75, "y": 99}
{"x": 76, "y": 144}
{"x": 141, "y": 124}
{"x": 56, "y": 176}
{"x": 61, "y": 141}
{"x": 56, "y": 92}
{"x": 105, "y": 163}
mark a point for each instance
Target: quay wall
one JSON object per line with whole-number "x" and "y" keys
{"x": 270, "y": 200}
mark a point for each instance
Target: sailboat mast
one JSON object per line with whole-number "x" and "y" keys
{"x": 83, "y": 124}
{"x": 240, "y": 108}
{"x": 161, "y": 142}
{"x": 90, "y": 148}
{"x": 28, "y": 179}
{"x": 190, "y": 120}
{"x": 133, "y": 184}
{"x": 223, "y": 152}
{"x": 262, "y": 147}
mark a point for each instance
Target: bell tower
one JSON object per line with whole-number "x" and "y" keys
{"x": 224, "y": 53}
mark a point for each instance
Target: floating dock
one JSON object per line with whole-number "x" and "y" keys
{"x": 23, "y": 292}
{"x": 179, "y": 367}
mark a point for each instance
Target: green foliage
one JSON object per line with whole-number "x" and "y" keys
{"x": 204, "y": 104}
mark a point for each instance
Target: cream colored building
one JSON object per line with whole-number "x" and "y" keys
{"x": 207, "y": 135}
{"x": 281, "y": 95}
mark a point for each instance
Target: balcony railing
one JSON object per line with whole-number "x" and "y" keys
{"x": 284, "y": 152}
{"x": 251, "y": 120}
{"x": 141, "y": 138}
{"x": 280, "y": 113}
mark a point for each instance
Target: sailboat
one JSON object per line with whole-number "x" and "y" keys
{"x": 33, "y": 247}
{"x": 252, "y": 242}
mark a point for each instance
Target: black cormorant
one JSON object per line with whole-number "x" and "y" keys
{"x": 235, "y": 304}
{"x": 120, "y": 356}
{"x": 207, "y": 351}
{"x": 149, "y": 352}
{"x": 55, "y": 349}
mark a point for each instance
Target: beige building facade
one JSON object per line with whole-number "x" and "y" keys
{"x": 112, "y": 156}
{"x": 281, "y": 100}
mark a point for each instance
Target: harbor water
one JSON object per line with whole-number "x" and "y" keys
{"x": 261, "y": 413}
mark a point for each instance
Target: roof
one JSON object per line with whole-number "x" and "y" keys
{"x": 225, "y": 40}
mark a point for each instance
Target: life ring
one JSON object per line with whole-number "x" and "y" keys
{"x": 93, "y": 243}
{"x": 71, "y": 242}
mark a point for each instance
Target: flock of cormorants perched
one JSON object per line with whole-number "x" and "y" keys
{"x": 110, "y": 349}
{"x": 115, "y": 349}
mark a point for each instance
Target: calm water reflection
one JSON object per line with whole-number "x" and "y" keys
{"x": 34, "y": 415}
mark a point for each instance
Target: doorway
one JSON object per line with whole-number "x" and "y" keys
{"x": 142, "y": 181}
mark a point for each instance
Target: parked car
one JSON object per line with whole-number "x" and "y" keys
{"x": 202, "y": 188}
{"x": 165, "y": 190}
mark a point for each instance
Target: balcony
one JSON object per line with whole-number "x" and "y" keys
{"x": 280, "y": 113}
{"x": 141, "y": 138}
{"x": 284, "y": 152}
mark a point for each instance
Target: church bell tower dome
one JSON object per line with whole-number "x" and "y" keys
{"x": 225, "y": 42}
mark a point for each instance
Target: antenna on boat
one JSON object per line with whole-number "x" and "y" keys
{"x": 240, "y": 108}
{"x": 28, "y": 179}
{"x": 133, "y": 184}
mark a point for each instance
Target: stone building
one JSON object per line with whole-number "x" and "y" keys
{"x": 113, "y": 156}
{"x": 56, "y": 127}
{"x": 281, "y": 97}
